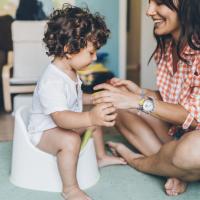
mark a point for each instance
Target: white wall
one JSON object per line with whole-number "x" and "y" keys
{"x": 122, "y": 38}
{"x": 148, "y": 72}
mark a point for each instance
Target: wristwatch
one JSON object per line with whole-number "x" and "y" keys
{"x": 146, "y": 105}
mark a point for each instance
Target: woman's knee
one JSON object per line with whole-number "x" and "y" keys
{"x": 187, "y": 152}
{"x": 124, "y": 120}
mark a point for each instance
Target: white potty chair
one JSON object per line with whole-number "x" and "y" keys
{"x": 37, "y": 170}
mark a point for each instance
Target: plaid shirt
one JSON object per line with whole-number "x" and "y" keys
{"x": 183, "y": 86}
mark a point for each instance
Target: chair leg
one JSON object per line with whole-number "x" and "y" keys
{"x": 6, "y": 71}
{"x": 7, "y": 102}
{"x": 6, "y": 95}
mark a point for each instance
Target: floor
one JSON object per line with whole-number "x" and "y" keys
{"x": 6, "y": 126}
{"x": 115, "y": 183}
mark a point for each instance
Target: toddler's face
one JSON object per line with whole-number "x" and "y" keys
{"x": 85, "y": 57}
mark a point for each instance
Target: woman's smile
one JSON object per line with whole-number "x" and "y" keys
{"x": 158, "y": 22}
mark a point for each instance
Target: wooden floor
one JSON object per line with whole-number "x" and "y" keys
{"x": 6, "y": 126}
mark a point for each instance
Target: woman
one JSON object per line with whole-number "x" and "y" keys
{"x": 154, "y": 118}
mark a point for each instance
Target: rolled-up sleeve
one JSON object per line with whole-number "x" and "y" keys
{"x": 192, "y": 105}
{"x": 53, "y": 97}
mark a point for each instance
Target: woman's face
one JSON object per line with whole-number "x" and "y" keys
{"x": 165, "y": 20}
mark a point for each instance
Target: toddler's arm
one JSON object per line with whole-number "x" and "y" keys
{"x": 101, "y": 115}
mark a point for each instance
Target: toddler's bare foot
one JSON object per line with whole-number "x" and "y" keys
{"x": 75, "y": 194}
{"x": 110, "y": 160}
{"x": 174, "y": 186}
{"x": 123, "y": 151}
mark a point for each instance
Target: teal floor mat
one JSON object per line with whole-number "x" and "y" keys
{"x": 116, "y": 183}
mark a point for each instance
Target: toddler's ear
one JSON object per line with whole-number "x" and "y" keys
{"x": 68, "y": 56}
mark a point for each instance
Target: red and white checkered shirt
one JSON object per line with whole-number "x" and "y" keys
{"x": 183, "y": 86}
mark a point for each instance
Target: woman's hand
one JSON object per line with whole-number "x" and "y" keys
{"x": 120, "y": 99}
{"x": 103, "y": 114}
{"x": 129, "y": 85}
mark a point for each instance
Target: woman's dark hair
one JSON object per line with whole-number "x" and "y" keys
{"x": 30, "y": 10}
{"x": 73, "y": 27}
{"x": 188, "y": 13}
{"x": 190, "y": 22}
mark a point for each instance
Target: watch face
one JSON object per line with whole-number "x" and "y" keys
{"x": 148, "y": 105}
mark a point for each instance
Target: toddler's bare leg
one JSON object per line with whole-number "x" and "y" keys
{"x": 65, "y": 144}
{"x": 103, "y": 158}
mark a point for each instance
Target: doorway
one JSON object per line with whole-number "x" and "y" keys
{"x": 133, "y": 40}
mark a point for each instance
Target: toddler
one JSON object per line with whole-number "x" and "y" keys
{"x": 57, "y": 121}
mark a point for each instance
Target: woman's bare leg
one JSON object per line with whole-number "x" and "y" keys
{"x": 65, "y": 145}
{"x": 138, "y": 132}
{"x": 159, "y": 127}
{"x": 148, "y": 134}
{"x": 179, "y": 159}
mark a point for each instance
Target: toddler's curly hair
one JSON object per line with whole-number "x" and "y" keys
{"x": 73, "y": 27}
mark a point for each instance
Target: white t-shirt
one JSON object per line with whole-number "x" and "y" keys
{"x": 55, "y": 91}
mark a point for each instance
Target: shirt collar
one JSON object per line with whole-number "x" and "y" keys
{"x": 189, "y": 51}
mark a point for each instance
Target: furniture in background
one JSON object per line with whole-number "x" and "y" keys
{"x": 37, "y": 170}
{"x": 27, "y": 61}
{"x": 5, "y": 46}
{"x": 5, "y": 33}
{"x": 21, "y": 99}
{"x": 96, "y": 73}
{"x": 3, "y": 58}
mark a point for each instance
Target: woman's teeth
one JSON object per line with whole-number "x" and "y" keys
{"x": 158, "y": 22}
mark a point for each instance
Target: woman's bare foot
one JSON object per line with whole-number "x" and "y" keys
{"x": 174, "y": 186}
{"x": 110, "y": 160}
{"x": 119, "y": 149}
{"x": 75, "y": 193}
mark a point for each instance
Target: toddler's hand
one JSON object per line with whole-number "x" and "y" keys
{"x": 103, "y": 115}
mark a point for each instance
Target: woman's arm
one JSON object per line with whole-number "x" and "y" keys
{"x": 171, "y": 113}
{"x": 151, "y": 93}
